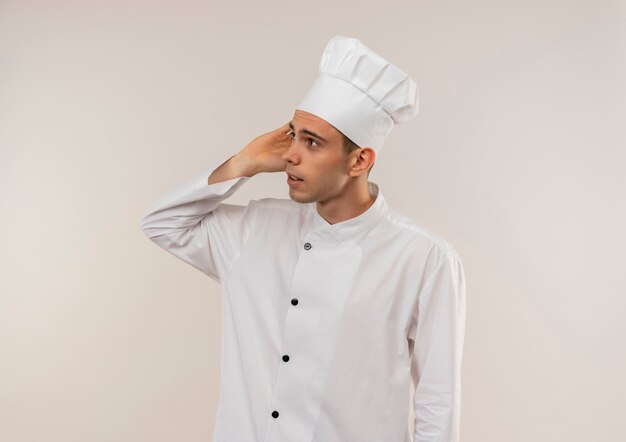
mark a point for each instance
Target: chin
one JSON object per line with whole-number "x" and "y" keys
{"x": 300, "y": 199}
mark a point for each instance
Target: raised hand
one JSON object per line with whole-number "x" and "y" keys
{"x": 264, "y": 153}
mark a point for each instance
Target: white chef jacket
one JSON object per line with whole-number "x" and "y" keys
{"x": 327, "y": 328}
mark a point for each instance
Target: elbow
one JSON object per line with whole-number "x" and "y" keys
{"x": 146, "y": 225}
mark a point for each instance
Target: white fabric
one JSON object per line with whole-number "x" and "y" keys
{"x": 360, "y": 93}
{"x": 380, "y": 312}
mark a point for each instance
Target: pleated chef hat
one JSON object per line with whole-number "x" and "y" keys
{"x": 360, "y": 93}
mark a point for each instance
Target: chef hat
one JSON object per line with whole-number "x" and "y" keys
{"x": 360, "y": 93}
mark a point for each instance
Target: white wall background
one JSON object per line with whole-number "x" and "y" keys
{"x": 517, "y": 158}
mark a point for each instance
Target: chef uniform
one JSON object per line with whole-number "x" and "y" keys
{"x": 345, "y": 332}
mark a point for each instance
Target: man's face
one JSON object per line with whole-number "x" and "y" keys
{"x": 315, "y": 155}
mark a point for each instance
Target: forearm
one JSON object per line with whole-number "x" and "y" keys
{"x": 235, "y": 167}
{"x": 183, "y": 206}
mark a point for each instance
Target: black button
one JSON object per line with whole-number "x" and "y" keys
{"x": 285, "y": 358}
{"x": 307, "y": 245}
{"x": 294, "y": 301}
{"x": 274, "y": 413}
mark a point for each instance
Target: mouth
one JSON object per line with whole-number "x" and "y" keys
{"x": 294, "y": 181}
{"x": 294, "y": 177}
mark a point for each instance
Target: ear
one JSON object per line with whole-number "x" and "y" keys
{"x": 364, "y": 158}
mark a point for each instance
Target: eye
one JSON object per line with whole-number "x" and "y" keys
{"x": 313, "y": 141}
{"x": 292, "y": 135}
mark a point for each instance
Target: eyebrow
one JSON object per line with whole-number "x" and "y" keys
{"x": 307, "y": 132}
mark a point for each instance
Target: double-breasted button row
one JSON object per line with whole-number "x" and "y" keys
{"x": 294, "y": 301}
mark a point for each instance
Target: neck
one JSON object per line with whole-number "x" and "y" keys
{"x": 352, "y": 202}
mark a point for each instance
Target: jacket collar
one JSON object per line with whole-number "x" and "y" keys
{"x": 354, "y": 226}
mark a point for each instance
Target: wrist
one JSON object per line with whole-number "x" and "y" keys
{"x": 243, "y": 165}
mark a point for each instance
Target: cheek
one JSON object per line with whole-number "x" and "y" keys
{"x": 325, "y": 167}
{"x": 329, "y": 172}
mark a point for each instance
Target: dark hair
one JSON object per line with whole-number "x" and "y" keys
{"x": 349, "y": 146}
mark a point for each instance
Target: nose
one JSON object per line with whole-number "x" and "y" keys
{"x": 290, "y": 154}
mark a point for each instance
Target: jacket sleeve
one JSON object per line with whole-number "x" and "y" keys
{"x": 191, "y": 222}
{"x": 436, "y": 352}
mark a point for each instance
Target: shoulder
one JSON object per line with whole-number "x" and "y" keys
{"x": 419, "y": 236}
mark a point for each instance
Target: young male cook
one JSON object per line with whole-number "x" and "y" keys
{"x": 336, "y": 308}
